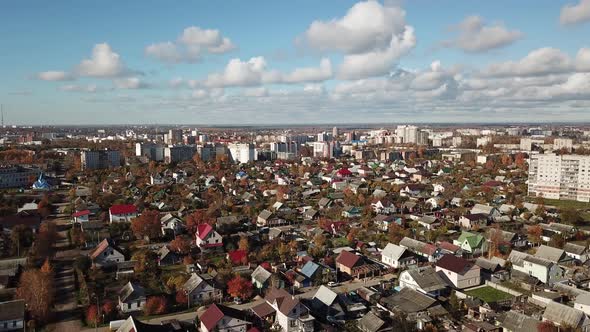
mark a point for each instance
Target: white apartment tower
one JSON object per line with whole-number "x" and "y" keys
{"x": 407, "y": 134}
{"x": 564, "y": 177}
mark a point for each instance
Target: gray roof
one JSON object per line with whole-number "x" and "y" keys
{"x": 260, "y": 274}
{"x": 550, "y": 253}
{"x": 265, "y": 214}
{"x": 517, "y": 257}
{"x": 517, "y": 322}
{"x": 370, "y": 323}
{"x": 583, "y": 299}
{"x": 427, "y": 278}
{"x": 563, "y": 315}
{"x": 193, "y": 282}
{"x": 325, "y": 295}
{"x": 412, "y": 244}
{"x": 481, "y": 208}
{"x": 393, "y": 251}
{"x": 539, "y": 261}
{"x": 409, "y": 301}
{"x": 573, "y": 248}
{"x": 131, "y": 292}
{"x": 487, "y": 264}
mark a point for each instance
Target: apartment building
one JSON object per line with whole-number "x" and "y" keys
{"x": 242, "y": 152}
{"x": 560, "y": 177}
{"x": 180, "y": 153}
{"x": 100, "y": 159}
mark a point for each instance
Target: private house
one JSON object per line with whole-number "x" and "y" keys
{"x": 351, "y": 212}
{"x": 12, "y": 315}
{"x": 122, "y": 213}
{"x": 171, "y": 225}
{"x": 383, "y": 206}
{"x": 429, "y": 222}
{"x": 264, "y": 218}
{"x": 383, "y": 221}
{"x": 356, "y": 266}
{"x": 510, "y": 239}
{"x": 460, "y": 272}
{"x": 472, "y": 243}
{"x": 317, "y": 272}
{"x": 566, "y": 316}
{"x": 567, "y": 231}
{"x": 207, "y": 238}
{"x": 132, "y": 324}
{"x": 81, "y": 216}
{"x": 397, "y": 256}
{"x": 200, "y": 289}
{"x": 106, "y": 253}
{"x": 577, "y": 252}
{"x": 167, "y": 257}
{"x": 473, "y": 221}
{"x": 260, "y": 277}
{"x": 424, "y": 279}
{"x": 291, "y": 314}
{"x": 514, "y": 321}
{"x": 372, "y": 323}
{"x": 131, "y": 298}
{"x": 422, "y": 249}
{"x": 491, "y": 212}
{"x": 556, "y": 255}
{"x": 221, "y": 318}
{"x": 449, "y": 248}
{"x": 545, "y": 271}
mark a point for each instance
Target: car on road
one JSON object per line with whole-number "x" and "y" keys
{"x": 332, "y": 284}
{"x": 238, "y": 300}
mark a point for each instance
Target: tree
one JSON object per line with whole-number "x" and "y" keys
{"x": 108, "y": 308}
{"x": 46, "y": 238}
{"x": 570, "y": 216}
{"x": 239, "y": 287}
{"x": 82, "y": 263}
{"x": 534, "y": 234}
{"x": 557, "y": 241}
{"x": 36, "y": 289}
{"x": 145, "y": 260}
{"x": 147, "y": 225}
{"x": 181, "y": 297}
{"x": 92, "y": 315}
{"x": 180, "y": 245}
{"x": 21, "y": 237}
{"x": 155, "y": 305}
{"x": 196, "y": 218}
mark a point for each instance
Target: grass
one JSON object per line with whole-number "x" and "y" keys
{"x": 565, "y": 204}
{"x": 489, "y": 294}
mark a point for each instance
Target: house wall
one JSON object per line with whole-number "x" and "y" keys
{"x": 109, "y": 256}
{"x": 228, "y": 324}
{"x": 122, "y": 217}
{"x": 469, "y": 279}
{"x": 132, "y": 306}
{"x": 11, "y": 325}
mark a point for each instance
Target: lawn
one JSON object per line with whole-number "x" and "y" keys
{"x": 489, "y": 294}
{"x": 564, "y": 204}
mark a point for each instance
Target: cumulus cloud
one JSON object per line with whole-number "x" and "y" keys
{"x": 574, "y": 14}
{"x": 583, "y": 59}
{"x": 371, "y": 36}
{"x": 192, "y": 43}
{"x": 365, "y": 27}
{"x": 54, "y": 76}
{"x": 254, "y": 72}
{"x": 541, "y": 61}
{"x": 474, "y": 35}
{"x": 91, "y": 88}
{"x": 130, "y": 83}
{"x": 103, "y": 62}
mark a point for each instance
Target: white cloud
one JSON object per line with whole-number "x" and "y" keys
{"x": 371, "y": 36}
{"x": 583, "y": 59}
{"x": 167, "y": 52}
{"x": 314, "y": 89}
{"x": 254, "y": 72}
{"x": 192, "y": 43}
{"x": 102, "y": 63}
{"x": 255, "y": 92}
{"x": 378, "y": 62}
{"x": 310, "y": 74}
{"x": 54, "y": 76}
{"x": 573, "y": 14}
{"x": 79, "y": 88}
{"x": 541, "y": 61}
{"x": 475, "y": 36}
{"x": 130, "y": 83}
{"x": 365, "y": 27}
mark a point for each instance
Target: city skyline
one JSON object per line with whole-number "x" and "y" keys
{"x": 284, "y": 63}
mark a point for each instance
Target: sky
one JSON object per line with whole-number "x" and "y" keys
{"x": 294, "y": 62}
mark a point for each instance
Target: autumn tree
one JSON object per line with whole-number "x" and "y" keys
{"x": 147, "y": 225}
{"x": 37, "y": 290}
{"x": 534, "y": 234}
{"x": 46, "y": 238}
{"x": 145, "y": 260}
{"x": 181, "y": 297}
{"x": 196, "y": 218}
{"x": 180, "y": 245}
{"x": 155, "y": 305}
{"x": 108, "y": 309}
{"x": 239, "y": 287}
{"x": 92, "y": 315}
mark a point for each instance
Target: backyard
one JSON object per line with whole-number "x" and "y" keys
{"x": 489, "y": 294}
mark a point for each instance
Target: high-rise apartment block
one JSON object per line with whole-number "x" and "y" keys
{"x": 560, "y": 177}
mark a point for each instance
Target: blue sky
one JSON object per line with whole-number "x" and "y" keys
{"x": 313, "y": 61}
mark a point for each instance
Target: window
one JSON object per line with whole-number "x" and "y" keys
{"x": 129, "y": 306}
